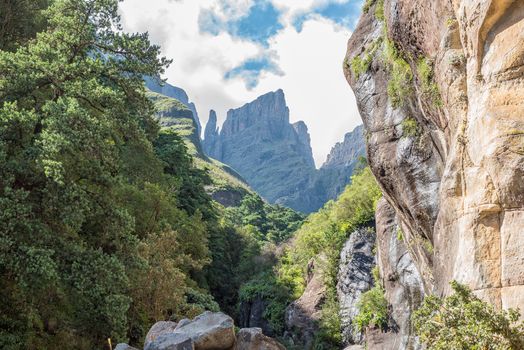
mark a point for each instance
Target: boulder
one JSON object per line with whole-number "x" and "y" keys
{"x": 209, "y": 331}
{"x": 159, "y": 328}
{"x": 123, "y": 346}
{"x": 254, "y": 339}
{"x": 171, "y": 341}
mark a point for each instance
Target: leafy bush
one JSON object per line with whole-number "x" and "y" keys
{"x": 428, "y": 85}
{"x": 409, "y": 127}
{"x": 372, "y": 306}
{"x": 463, "y": 321}
{"x": 367, "y": 5}
{"x": 400, "y": 81}
{"x": 379, "y": 11}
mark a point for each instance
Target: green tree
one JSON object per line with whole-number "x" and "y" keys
{"x": 463, "y": 321}
{"x": 93, "y": 224}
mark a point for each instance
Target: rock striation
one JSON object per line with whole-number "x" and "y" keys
{"x": 258, "y": 141}
{"x": 440, "y": 88}
{"x": 275, "y": 156}
{"x": 354, "y": 278}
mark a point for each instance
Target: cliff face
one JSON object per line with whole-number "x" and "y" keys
{"x": 258, "y": 141}
{"x": 275, "y": 157}
{"x": 440, "y": 88}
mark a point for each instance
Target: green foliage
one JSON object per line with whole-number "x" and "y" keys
{"x": 379, "y": 11}
{"x": 400, "y": 234}
{"x": 463, "y": 321}
{"x": 323, "y": 235}
{"x": 410, "y": 127}
{"x": 361, "y": 65}
{"x": 272, "y": 223}
{"x": 372, "y": 306}
{"x": 429, "y": 86}
{"x": 367, "y": 5}
{"x": 20, "y": 21}
{"x": 400, "y": 81}
{"x": 104, "y": 222}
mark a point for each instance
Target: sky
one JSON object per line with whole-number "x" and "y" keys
{"x": 228, "y": 52}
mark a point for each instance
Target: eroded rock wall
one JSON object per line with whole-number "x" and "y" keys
{"x": 449, "y": 156}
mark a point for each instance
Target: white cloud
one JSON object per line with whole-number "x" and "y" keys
{"x": 311, "y": 61}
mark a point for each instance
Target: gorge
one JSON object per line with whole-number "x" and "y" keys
{"x": 121, "y": 228}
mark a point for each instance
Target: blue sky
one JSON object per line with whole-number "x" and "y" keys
{"x": 262, "y": 21}
{"x": 228, "y": 52}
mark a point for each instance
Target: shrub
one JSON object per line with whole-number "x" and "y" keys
{"x": 367, "y": 5}
{"x": 409, "y": 127}
{"x": 463, "y": 321}
{"x": 373, "y": 306}
{"x": 379, "y": 11}
{"x": 426, "y": 77}
{"x": 401, "y": 78}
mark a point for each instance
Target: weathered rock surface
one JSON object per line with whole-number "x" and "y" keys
{"x": 208, "y": 331}
{"x": 159, "y": 328}
{"x": 123, "y": 346}
{"x": 354, "y": 278}
{"x": 451, "y": 166}
{"x": 251, "y": 315}
{"x": 254, "y": 339}
{"x": 401, "y": 281}
{"x": 275, "y": 157}
{"x": 302, "y": 315}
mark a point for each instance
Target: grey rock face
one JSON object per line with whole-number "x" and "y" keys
{"x": 158, "y": 329}
{"x": 303, "y": 314}
{"x": 275, "y": 157}
{"x": 177, "y": 93}
{"x": 252, "y": 315}
{"x": 258, "y": 141}
{"x": 171, "y": 341}
{"x": 254, "y": 339}
{"x": 401, "y": 279}
{"x": 210, "y": 331}
{"x": 123, "y": 346}
{"x": 354, "y": 278}
{"x": 347, "y": 152}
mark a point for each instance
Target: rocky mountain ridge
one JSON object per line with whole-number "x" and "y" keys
{"x": 439, "y": 86}
{"x": 275, "y": 156}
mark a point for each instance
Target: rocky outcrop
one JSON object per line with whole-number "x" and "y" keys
{"x": 275, "y": 157}
{"x": 251, "y": 315}
{"x": 440, "y": 87}
{"x": 354, "y": 278}
{"x": 254, "y": 339}
{"x": 176, "y": 93}
{"x": 211, "y": 142}
{"x": 303, "y": 314}
{"x": 401, "y": 280}
{"x": 258, "y": 141}
{"x": 208, "y": 331}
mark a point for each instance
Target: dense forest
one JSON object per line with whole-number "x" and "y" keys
{"x": 107, "y": 220}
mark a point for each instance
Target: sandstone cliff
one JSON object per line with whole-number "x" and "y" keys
{"x": 440, "y": 88}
